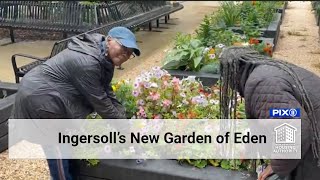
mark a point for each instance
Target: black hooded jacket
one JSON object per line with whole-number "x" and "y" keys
{"x": 265, "y": 87}
{"x": 71, "y": 84}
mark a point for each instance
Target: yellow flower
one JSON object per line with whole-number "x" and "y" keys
{"x": 114, "y": 88}
{"x": 212, "y": 51}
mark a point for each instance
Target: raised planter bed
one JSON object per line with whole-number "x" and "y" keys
{"x": 207, "y": 79}
{"x": 153, "y": 170}
{"x": 272, "y": 31}
{"x": 7, "y": 96}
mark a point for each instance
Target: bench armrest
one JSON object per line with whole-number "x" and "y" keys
{"x": 16, "y": 69}
{"x": 27, "y": 56}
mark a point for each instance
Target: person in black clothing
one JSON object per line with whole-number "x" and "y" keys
{"x": 75, "y": 83}
{"x": 267, "y": 83}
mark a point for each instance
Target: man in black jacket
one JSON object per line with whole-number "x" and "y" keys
{"x": 75, "y": 83}
{"x": 268, "y": 83}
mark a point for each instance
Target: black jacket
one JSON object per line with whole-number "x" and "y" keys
{"x": 265, "y": 87}
{"x": 71, "y": 84}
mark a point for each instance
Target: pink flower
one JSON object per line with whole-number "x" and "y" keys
{"x": 166, "y": 102}
{"x": 165, "y": 83}
{"x": 154, "y": 96}
{"x": 141, "y": 112}
{"x": 175, "y": 80}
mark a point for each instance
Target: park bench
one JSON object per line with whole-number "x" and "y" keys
{"x": 148, "y": 11}
{"x": 67, "y": 17}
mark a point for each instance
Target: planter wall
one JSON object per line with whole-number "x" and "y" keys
{"x": 207, "y": 79}
{"x": 7, "y": 90}
{"x": 153, "y": 170}
{"x": 282, "y": 10}
{"x": 273, "y": 30}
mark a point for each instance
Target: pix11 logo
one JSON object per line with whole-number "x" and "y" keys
{"x": 285, "y": 113}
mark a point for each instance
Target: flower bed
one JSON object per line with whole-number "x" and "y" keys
{"x": 158, "y": 95}
{"x": 255, "y": 24}
{"x": 7, "y": 95}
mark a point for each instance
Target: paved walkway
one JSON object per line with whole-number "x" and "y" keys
{"x": 299, "y": 39}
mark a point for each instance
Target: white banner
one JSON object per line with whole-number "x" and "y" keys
{"x": 155, "y": 139}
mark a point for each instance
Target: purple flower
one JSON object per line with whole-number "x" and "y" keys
{"x": 136, "y": 85}
{"x": 135, "y": 93}
{"x": 141, "y": 102}
{"x": 147, "y": 79}
{"x": 182, "y": 94}
{"x": 158, "y": 74}
{"x": 147, "y": 85}
{"x": 212, "y": 56}
{"x": 138, "y": 79}
{"x": 199, "y": 100}
{"x": 156, "y": 68}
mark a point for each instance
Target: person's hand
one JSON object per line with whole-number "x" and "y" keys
{"x": 266, "y": 172}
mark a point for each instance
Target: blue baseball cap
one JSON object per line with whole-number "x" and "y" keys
{"x": 126, "y": 38}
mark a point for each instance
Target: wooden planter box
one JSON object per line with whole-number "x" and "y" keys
{"x": 153, "y": 170}
{"x": 207, "y": 79}
{"x": 7, "y": 90}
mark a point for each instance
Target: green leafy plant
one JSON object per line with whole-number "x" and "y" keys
{"x": 181, "y": 39}
{"x": 123, "y": 92}
{"x": 187, "y": 55}
{"x": 229, "y": 12}
{"x": 205, "y": 29}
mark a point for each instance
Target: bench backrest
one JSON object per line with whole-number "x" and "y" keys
{"x": 120, "y": 12}
{"x": 67, "y": 15}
